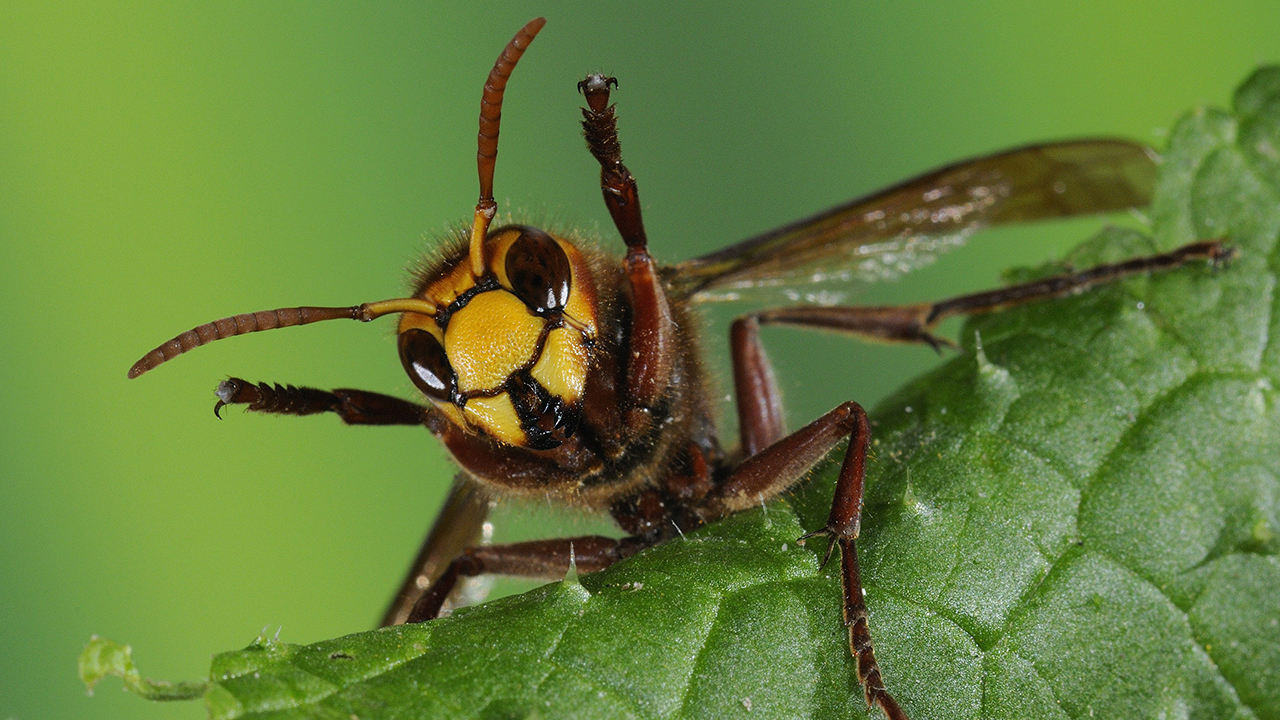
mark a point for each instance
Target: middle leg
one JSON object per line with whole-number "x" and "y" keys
{"x": 776, "y": 461}
{"x": 783, "y": 464}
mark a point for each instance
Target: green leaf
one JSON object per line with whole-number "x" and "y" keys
{"x": 102, "y": 658}
{"x": 1077, "y": 517}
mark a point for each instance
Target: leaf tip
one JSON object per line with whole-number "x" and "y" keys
{"x": 996, "y": 387}
{"x": 102, "y": 658}
{"x": 909, "y": 500}
{"x": 571, "y": 575}
{"x": 985, "y": 366}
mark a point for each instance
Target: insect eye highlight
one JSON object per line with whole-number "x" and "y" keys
{"x": 539, "y": 271}
{"x": 424, "y": 359}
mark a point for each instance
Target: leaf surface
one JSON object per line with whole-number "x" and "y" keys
{"x": 1077, "y": 517}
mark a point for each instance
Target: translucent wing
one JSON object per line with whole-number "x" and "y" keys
{"x": 902, "y": 227}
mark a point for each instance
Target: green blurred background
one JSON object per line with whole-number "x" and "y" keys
{"x": 162, "y": 165}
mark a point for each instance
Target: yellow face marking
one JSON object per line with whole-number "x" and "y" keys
{"x": 453, "y": 412}
{"x": 448, "y": 288}
{"x": 562, "y": 368}
{"x": 498, "y": 246}
{"x": 421, "y": 322}
{"x": 490, "y": 338}
{"x": 497, "y": 416}
{"x": 582, "y": 292}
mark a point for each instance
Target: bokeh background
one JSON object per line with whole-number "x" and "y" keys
{"x": 164, "y": 164}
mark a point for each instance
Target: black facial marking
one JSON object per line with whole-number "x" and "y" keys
{"x": 547, "y": 420}
{"x": 424, "y": 359}
{"x": 539, "y": 271}
{"x": 484, "y": 284}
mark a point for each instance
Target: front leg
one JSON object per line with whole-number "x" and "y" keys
{"x": 355, "y": 407}
{"x": 653, "y": 331}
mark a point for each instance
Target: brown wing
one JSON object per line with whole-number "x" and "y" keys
{"x": 458, "y": 526}
{"x": 894, "y": 230}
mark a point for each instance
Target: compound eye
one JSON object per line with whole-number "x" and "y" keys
{"x": 424, "y": 359}
{"x": 539, "y": 271}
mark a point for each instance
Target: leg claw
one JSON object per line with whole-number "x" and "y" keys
{"x": 831, "y": 536}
